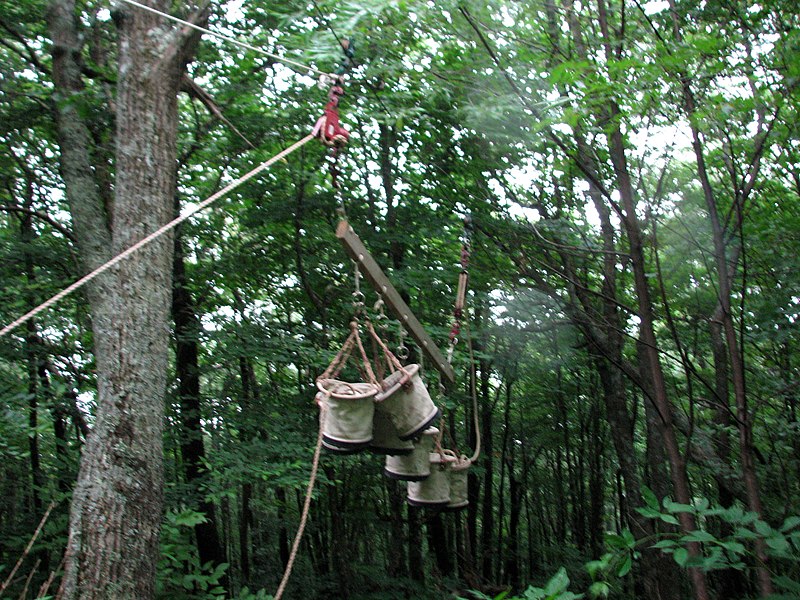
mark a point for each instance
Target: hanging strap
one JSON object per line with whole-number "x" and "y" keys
{"x": 337, "y": 364}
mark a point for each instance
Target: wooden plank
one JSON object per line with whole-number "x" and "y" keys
{"x": 372, "y": 271}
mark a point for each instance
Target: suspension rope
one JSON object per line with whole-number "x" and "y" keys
{"x": 156, "y": 234}
{"x": 473, "y": 385}
{"x": 232, "y": 40}
{"x": 455, "y": 331}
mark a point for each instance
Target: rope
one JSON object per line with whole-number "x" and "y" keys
{"x": 157, "y": 233}
{"x": 473, "y": 384}
{"x": 370, "y": 374}
{"x": 306, "y": 506}
{"x": 226, "y": 38}
{"x": 390, "y": 358}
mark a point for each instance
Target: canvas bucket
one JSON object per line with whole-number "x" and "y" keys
{"x": 434, "y": 491}
{"x": 384, "y": 436}
{"x": 458, "y": 483}
{"x": 407, "y": 402}
{"x": 415, "y": 466}
{"x": 347, "y": 425}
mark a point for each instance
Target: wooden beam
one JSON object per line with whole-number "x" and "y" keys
{"x": 372, "y": 271}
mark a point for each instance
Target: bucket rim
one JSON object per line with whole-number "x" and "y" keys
{"x": 420, "y": 504}
{"x": 385, "y": 393}
{"x": 403, "y": 477}
{"x": 370, "y": 392}
{"x": 332, "y": 442}
{"x": 423, "y": 427}
{"x": 389, "y": 451}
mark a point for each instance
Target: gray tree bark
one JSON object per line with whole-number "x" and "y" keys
{"x": 116, "y": 509}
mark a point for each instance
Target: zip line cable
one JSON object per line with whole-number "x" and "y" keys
{"x": 227, "y": 38}
{"x": 156, "y": 234}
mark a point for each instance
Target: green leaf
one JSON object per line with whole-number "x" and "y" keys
{"x": 778, "y": 543}
{"x": 615, "y": 541}
{"x": 650, "y": 498}
{"x": 745, "y": 534}
{"x": 734, "y": 547}
{"x": 677, "y": 507}
{"x": 593, "y": 567}
{"x": 648, "y": 512}
{"x": 625, "y": 568}
{"x": 681, "y": 555}
{"x": 665, "y": 544}
{"x": 763, "y": 528}
{"x": 668, "y": 519}
{"x": 790, "y": 523}
{"x": 558, "y": 583}
{"x": 599, "y": 589}
{"x": 790, "y": 585}
{"x": 699, "y": 536}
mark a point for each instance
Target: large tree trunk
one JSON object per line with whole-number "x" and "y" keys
{"x": 116, "y": 510}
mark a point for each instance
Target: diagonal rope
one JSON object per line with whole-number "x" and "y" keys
{"x": 157, "y": 233}
{"x": 227, "y": 38}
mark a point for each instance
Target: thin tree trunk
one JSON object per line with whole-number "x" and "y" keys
{"x": 283, "y": 532}
{"x": 415, "y": 553}
{"x": 649, "y": 343}
{"x": 437, "y": 542}
{"x": 487, "y": 520}
{"x": 35, "y": 362}
{"x": 724, "y": 293}
{"x": 512, "y": 551}
{"x": 396, "y": 555}
{"x": 187, "y": 367}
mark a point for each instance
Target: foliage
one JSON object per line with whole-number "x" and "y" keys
{"x": 180, "y": 574}
{"x": 507, "y": 111}
{"x": 733, "y": 551}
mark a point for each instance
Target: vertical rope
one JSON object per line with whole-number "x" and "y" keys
{"x": 306, "y": 505}
{"x": 473, "y": 384}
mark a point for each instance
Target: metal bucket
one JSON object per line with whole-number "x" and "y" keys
{"x": 415, "y": 466}
{"x": 407, "y": 402}
{"x": 347, "y": 426}
{"x": 384, "y": 436}
{"x": 433, "y": 492}
{"x": 458, "y": 483}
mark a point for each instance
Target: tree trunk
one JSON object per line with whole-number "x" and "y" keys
{"x": 187, "y": 367}
{"x": 415, "y": 554}
{"x": 512, "y": 550}
{"x": 649, "y": 344}
{"x": 116, "y": 510}
{"x": 283, "y": 532}
{"x": 487, "y": 521}
{"x": 724, "y": 266}
{"x": 35, "y": 363}
{"x": 437, "y": 542}
{"x": 396, "y": 554}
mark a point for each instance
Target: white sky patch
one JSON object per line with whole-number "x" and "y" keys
{"x": 653, "y": 8}
{"x": 233, "y": 11}
{"x": 508, "y": 20}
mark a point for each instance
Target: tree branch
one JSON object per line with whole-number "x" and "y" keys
{"x": 42, "y": 217}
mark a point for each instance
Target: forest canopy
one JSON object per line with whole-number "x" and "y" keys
{"x": 616, "y": 183}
